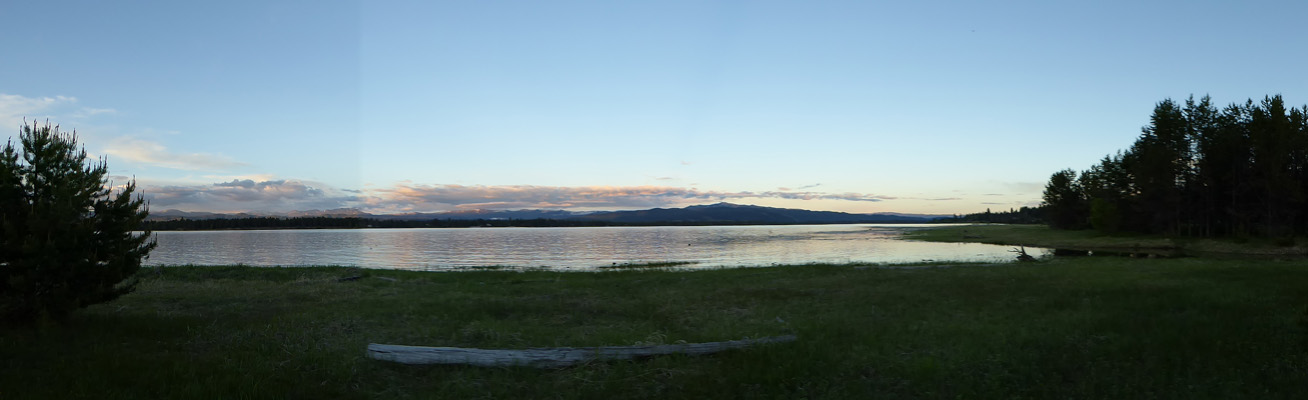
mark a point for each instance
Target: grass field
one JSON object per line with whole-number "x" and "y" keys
{"x": 1068, "y": 328}
{"x": 1042, "y": 236}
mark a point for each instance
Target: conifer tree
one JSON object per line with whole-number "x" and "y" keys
{"x": 1198, "y": 171}
{"x": 1064, "y": 201}
{"x": 67, "y": 238}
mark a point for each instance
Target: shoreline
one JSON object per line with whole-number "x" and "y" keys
{"x": 1043, "y": 236}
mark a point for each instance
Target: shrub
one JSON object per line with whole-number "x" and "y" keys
{"x": 66, "y": 240}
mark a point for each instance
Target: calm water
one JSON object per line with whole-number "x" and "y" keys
{"x": 563, "y": 248}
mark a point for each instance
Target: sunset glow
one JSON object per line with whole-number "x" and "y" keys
{"x": 395, "y": 106}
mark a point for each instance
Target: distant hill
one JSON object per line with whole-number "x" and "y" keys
{"x": 167, "y": 215}
{"x": 721, "y": 213}
{"x": 739, "y": 214}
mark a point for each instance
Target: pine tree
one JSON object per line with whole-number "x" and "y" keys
{"x": 66, "y": 240}
{"x": 1110, "y": 191}
{"x": 1064, "y": 201}
{"x": 1160, "y": 167}
{"x": 1212, "y": 161}
{"x": 1197, "y": 171}
{"x": 1274, "y": 144}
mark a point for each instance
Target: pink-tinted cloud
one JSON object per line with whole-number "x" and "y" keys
{"x": 401, "y": 198}
{"x": 246, "y": 195}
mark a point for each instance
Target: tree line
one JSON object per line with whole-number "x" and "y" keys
{"x": 1196, "y": 170}
{"x": 1024, "y": 215}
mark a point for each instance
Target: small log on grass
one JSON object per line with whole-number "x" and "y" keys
{"x": 1021, "y": 254}
{"x": 550, "y": 357}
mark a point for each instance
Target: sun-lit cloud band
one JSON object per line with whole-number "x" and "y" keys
{"x": 445, "y": 197}
{"x": 294, "y": 195}
{"x": 249, "y": 196}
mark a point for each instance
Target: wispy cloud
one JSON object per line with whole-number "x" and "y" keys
{"x": 13, "y": 108}
{"x": 787, "y": 189}
{"x": 154, "y": 154}
{"x": 64, "y": 109}
{"x": 57, "y": 109}
{"x": 88, "y": 112}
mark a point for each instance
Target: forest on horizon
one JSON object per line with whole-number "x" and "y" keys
{"x": 1196, "y": 170}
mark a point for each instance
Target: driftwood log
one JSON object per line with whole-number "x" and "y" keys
{"x": 550, "y": 357}
{"x": 1021, "y": 254}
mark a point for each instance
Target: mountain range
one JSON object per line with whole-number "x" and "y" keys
{"x": 725, "y": 213}
{"x": 735, "y": 213}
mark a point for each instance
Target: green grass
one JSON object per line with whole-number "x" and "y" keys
{"x": 1078, "y": 328}
{"x": 1037, "y": 236}
{"x": 1180, "y": 328}
{"x": 1042, "y": 236}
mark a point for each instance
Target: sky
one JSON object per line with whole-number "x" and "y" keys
{"x": 934, "y": 107}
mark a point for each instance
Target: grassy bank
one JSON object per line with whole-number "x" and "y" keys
{"x": 1084, "y": 328}
{"x": 1042, "y": 236}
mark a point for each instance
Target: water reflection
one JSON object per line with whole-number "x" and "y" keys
{"x": 1136, "y": 253}
{"x": 565, "y": 248}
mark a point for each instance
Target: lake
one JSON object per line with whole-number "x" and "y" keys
{"x": 565, "y": 248}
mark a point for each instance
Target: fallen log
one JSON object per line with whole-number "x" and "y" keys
{"x": 550, "y": 357}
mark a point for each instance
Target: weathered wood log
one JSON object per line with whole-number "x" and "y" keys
{"x": 550, "y": 357}
{"x": 1021, "y": 254}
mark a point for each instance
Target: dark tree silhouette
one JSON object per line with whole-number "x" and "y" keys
{"x": 66, "y": 240}
{"x": 1066, "y": 204}
{"x": 1159, "y": 162}
{"x": 1197, "y": 171}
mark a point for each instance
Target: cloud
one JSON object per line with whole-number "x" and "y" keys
{"x": 225, "y": 178}
{"x": 155, "y": 154}
{"x": 88, "y": 112}
{"x": 13, "y": 108}
{"x": 249, "y": 195}
{"x": 818, "y": 196}
{"x": 406, "y": 198}
{"x": 786, "y": 189}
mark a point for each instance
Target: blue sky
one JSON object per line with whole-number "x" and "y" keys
{"x": 919, "y": 107}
